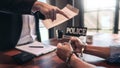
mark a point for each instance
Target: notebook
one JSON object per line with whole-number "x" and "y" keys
{"x": 38, "y": 50}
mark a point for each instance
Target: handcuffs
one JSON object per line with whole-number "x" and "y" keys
{"x": 73, "y": 52}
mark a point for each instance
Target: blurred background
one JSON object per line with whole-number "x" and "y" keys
{"x": 99, "y": 16}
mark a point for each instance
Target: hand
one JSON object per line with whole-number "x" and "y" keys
{"x": 48, "y": 10}
{"x": 77, "y": 44}
{"x": 63, "y": 50}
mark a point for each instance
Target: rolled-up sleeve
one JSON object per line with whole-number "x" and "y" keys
{"x": 17, "y": 6}
{"x": 114, "y": 55}
{"x": 114, "y": 50}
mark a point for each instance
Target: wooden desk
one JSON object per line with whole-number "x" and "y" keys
{"x": 50, "y": 60}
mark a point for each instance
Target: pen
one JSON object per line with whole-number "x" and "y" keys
{"x": 36, "y": 46}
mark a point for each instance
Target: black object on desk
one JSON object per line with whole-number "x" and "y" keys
{"x": 23, "y": 57}
{"x": 60, "y": 33}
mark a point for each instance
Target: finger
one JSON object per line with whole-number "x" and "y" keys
{"x": 75, "y": 39}
{"x": 79, "y": 40}
{"x": 68, "y": 45}
{"x": 54, "y": 14}
{"x": 74, "y": 42}
{"x": 77, "y": 50}
{"x": 72, "y": 39}
{"x": 51, "y": 15}
{"x": 46, "y": 16}
{"x": 59, "y": 44}
{"x": 61, "y": 12}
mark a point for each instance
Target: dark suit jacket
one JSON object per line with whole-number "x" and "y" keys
{"x": 10, "y": 29}
{"x": 17, "y": 6}
{"x": 11, "y": 21}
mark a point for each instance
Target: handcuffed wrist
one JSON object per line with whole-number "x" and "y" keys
{"x": 83, "y": 49}
{"x": 68, "y": 59}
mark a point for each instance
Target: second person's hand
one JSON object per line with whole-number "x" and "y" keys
{"x": 77, "y": 44}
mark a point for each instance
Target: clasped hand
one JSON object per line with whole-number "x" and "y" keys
{"x": 64, "y": 49}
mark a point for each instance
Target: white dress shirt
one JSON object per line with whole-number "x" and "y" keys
{"x": 28, "y": 30}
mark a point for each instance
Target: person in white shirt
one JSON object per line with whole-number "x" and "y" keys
{"x": 11, "y": 12}
{"x": 28, "y": 34}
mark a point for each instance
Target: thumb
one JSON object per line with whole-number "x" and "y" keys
{"x": 59, "y": 44}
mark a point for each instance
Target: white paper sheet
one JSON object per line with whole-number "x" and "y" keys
{"x": 36, "y": 51}
{"x": 69, "y": 10}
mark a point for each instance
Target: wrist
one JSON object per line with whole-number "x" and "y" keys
{"x": 74, "y": 60}
{"x": 37, "y": 6}
{"x": 87, "y": 48}
{"x": 70, "y": 58}
{"x": 83, "y": 48}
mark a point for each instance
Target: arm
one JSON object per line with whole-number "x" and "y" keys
{"x": 77, "y": 45}
{"x": 64, "y": 50}
{"x": 17, "y": 6}
{"x": 26, "y": 6}
{"x": 76, "y": 62}
{"x": 103, "y": 52}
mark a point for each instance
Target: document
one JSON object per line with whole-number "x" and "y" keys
{"x": 69, "y": 10}
{"x": 36, "y": 48}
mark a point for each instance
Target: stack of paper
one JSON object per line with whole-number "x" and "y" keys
{"x": 39, "y": 48}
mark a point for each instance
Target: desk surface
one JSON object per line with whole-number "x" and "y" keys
{"x": 50, "y": 60}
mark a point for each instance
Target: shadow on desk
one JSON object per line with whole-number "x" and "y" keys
{"x": 6, "y": 59}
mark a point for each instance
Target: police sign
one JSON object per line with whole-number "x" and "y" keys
{"x": 76, "y": 31}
